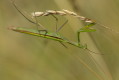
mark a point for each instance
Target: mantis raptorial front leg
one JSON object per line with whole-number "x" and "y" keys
{"x": 84, "y": 29}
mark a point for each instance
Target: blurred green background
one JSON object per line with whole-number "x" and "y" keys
{"x": 25, "y": 57}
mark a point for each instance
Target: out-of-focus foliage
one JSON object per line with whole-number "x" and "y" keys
{"x": 24, "y": 57}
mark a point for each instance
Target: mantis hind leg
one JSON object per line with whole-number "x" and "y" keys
{"x": 36, "y": 21}
{"x": 25, "y": 15}
{"x": 63, "y": 44}
{"x": 58, "y": 29}
{"x": 62, "y": 26}
{"x": 56, "y": 19}
{"x": 45, "y": 32}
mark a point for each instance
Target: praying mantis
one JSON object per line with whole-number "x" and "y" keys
{"x": 56, "y": 36}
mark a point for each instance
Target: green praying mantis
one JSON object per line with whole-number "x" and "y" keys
{"x": 56, "y": 36}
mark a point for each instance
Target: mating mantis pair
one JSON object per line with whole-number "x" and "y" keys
{"x": 55, "y": 36}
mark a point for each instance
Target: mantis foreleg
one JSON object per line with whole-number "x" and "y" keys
{"x": 84, "y": 29}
